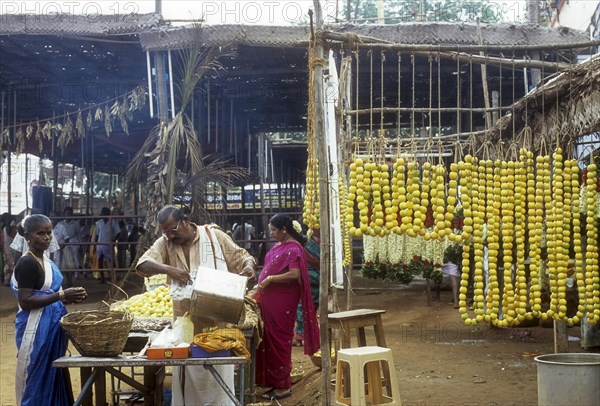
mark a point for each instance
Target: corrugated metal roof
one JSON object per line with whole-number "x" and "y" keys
{"x": 69, "y": 24}
{"x": 408, "y": 33}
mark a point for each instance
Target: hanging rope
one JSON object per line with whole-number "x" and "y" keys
{"x": 357, "y": 87}
{"x": 381, "y": 93}
{"x": 439, "y": 96}
{"x": 430, "y": 60}
{"x": 371, "y": 95}
{"x": 412, "y": 114}
{"x": 399, "y": 116}
{"x": 458, "y": 153}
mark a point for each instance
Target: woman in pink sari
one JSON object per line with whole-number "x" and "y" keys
{"x": 283, "y": 282}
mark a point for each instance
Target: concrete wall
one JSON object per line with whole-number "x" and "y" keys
{"x": 576, "y": 14}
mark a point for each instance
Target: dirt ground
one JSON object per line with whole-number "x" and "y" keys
{"x": 438, "y": 360}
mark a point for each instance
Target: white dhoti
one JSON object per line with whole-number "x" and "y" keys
{"x": 199, "y": 387}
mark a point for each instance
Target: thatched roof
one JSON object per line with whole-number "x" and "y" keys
{"x": 406, "y": 33}
{"x": 70, "y": 24}
{"x": 566, "y": 106}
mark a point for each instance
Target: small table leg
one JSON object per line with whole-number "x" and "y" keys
{"x": 345, "y": 343}
{"x": 101, "y": 387}
{"x": 242, "y": 373}
{"x": 153, "y": 380}
{"x": 380, "y": 339}
{"x": 361, "y": 337}
{"x": 84, "y": 374}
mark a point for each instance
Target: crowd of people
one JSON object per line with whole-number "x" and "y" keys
{"x": 77, "y": 243}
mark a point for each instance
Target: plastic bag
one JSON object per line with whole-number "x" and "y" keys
{"x": 167, "y": 338}
{"x": 181, "y": 292}
{"x": 184, "y": 328}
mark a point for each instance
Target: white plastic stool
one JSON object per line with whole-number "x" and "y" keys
{"x": 360, "y": 359}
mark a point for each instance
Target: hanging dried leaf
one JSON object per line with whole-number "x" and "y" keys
{"x": 20, "y": 141}
{"x": 58, "y": 127}
{"x": 5, "y": 137}
{"x": 141, "y": 97}
{"x": 79, "y": 125}
{"x": 98, "y": 115}
{"x": 89, "y": 119}
{"x": 39, "y": 136}
{"x": 29, "y": 131}
{"x": 38, "y": 131}
{"x": 47, "y": 130}
{"x": 107, "y": 124}
{"x": 66, "y": 133}
{"x": 124, "y": 123}
{"x": 114, "y": 109}
{"x": 126, "y": 109}
{"x": 132, "y": 102}
{"x": 137, "y": 98}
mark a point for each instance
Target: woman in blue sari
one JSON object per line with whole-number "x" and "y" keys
{"x": 40, "y": 338}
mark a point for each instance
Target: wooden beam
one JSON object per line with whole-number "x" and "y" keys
{"x": 324, "y": 199}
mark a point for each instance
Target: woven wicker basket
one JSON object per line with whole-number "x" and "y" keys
{"x": 297, "y": 374}
{"x": 98, "y": 333}
{"x": 317, "y": 360}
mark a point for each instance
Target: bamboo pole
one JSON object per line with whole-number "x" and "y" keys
{"x": 325, "y": 202}
{"x": 2, "y": 139}
{"x": 72, "y": 185}
{"x": 54, "y": 166}
{"x": 385, "y": 110}
{"x": 365, "y": 41}
{"x": 484, "y": 82}
{"x": 426, "y": 50}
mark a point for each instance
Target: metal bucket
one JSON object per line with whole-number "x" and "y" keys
{"x": 568, "y": 379}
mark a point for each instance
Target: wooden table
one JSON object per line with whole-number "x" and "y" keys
{"x": 137, "y": 340}
{"x": 92, "y": 370}
{"x": 357, "y": 320}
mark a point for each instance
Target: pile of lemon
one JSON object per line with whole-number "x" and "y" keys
{"x": 153, "y": 304}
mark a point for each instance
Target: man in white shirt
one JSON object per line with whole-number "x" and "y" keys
{"x": 105, "y": 233}
{"x": 70, "y": 252}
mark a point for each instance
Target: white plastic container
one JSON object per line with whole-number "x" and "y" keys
{"x": 218, "y": 295}
{"x": 568, "y": 379}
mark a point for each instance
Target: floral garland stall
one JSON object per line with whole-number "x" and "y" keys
{"x": 527, "y": 226}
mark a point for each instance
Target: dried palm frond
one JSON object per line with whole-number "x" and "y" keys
{"x": 172, "y": 147}
{"x": 219, "y": 173}
{"x": 559, "y": 111}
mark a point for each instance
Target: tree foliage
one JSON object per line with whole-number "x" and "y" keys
{"x": 402, "y": 11}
